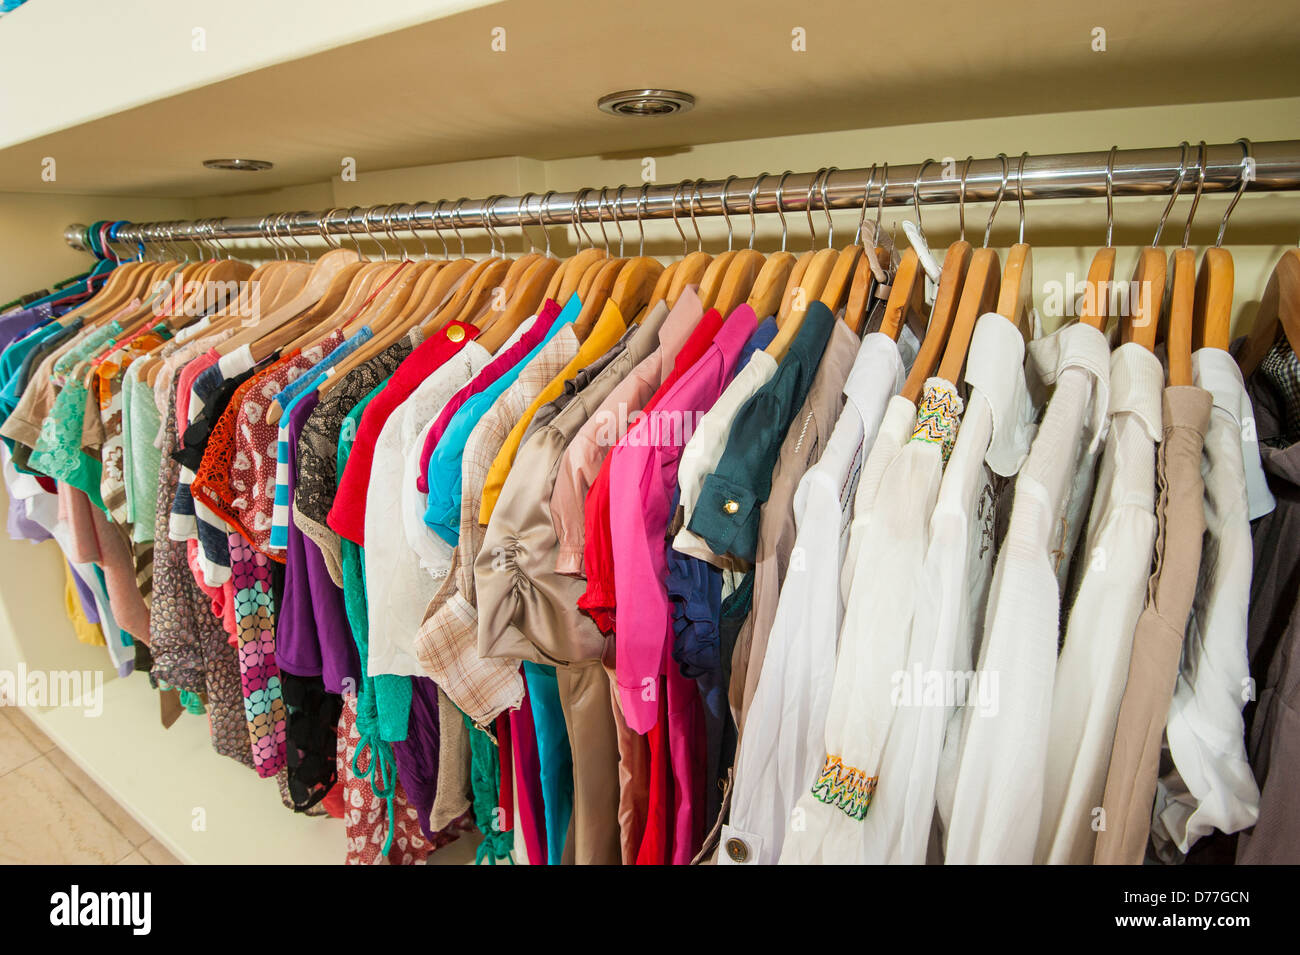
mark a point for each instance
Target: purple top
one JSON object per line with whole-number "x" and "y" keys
{"x": 312, "y": 635}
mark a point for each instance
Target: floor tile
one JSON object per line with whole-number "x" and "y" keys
{"x": 15, "y": 748}
{"x": 44, "y": 819}
{"x": 157, "y": 854}
{"x": 25, "y": 725}
{"x": 122, "y": 820}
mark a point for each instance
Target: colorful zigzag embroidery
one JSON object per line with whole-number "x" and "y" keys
{"x": 845, "y": 788}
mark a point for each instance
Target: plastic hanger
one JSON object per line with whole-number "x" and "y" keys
{"x": 979, "y": 294}
{"x": 1212, "y": 317}
{"x": 769, "y": 285}
{"x": 952, "y": 277}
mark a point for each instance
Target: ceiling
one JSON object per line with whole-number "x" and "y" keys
{"x": 438, "y": 92}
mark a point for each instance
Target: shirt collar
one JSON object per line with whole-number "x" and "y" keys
{"x": 995, "y": 368}
{"x": 1216, "y": 371}
{"x": 1137, "y": 380}
{"x": 1081, "y": 346}
{"x": 878, "y": 363}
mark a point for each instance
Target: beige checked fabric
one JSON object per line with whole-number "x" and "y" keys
{"x": 447, "y": 644}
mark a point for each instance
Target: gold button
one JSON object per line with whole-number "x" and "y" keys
{"x": 737, "y": 850}
{"x": 455, "y": 333}
{"x": 731, "y": 507}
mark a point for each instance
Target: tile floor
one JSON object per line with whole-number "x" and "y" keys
{"x": 52, "y": 812}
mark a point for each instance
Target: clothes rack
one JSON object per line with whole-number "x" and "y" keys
{"x": 1133, "y": 172}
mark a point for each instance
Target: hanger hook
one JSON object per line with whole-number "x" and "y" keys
{"x": 726, "y": 187}
{"x": 916, "y": 193}
{"x": 1173, "y": 196}
{"x": 434, "y": 220}
{"x": 325, "y": 230}
{"x": 1196, "y": 197}
{"x": 393, "y": 213}
{"x": 543, "y": 213}
{"x": 808, "y": 204}
{"x": 641, "y": 202}
{"x": 1246, "y": 161}
{"x": 961, "y": 197}
{"x": 866, "y": 200}
{"x": 1110, "y": 196}
{"x": 600, "y": 217}
{"x": 997, "y": 202}
{"x": 880, "y": 199}
{"x": 1020, "y": 193}
{"x": 522, "y": 210}
{"x": 410, "y": 227}
{"x": 455, "y": 223}
{"x": 681, "y": 187}
{"x": 753, "y": 205}
{"x": 695, "y": 192}
{"x": 826, "y": 207}
{"x": 370, "y": 231}
{"x": 577, "y": 217}
{"x": 618, "y": 210}
{"x": 780, "y": 205}
{"x": 347, "y": 229}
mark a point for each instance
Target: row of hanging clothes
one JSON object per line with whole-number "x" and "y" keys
{"x": 820, "y": 557}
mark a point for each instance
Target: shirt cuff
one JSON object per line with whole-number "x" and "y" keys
{"x": 725, "y": 517}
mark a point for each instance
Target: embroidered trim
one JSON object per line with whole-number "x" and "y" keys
{"x": 937, "y": 416}
{"x": 844, "y": 787}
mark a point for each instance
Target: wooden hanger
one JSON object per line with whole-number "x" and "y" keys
{"x": 873, "y": 265}
{"x": 947, "y": 300}
{"x": 802, "y": 296}
{"x": 1016, "y": 296}
{"x": 1095, "y": 310}
{"x": 1279, "y": 310}
{"x": 660, "y": 293}
{"x": 1178, "y": 333}
{"x": 595, "y": 294}
{"x": 906, "y": 296}
{"x": 528, "y": 298}
{"x": 1212, "y": 316}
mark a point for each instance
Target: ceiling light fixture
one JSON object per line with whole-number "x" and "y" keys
{"x": 645, "y": 102}
{"x": 242, "y": 165}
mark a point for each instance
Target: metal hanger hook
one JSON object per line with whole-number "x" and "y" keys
{"x": 961, "y": 197}
{"x": 578, "y": 199}
{"x": 543, "y": 212}
{"x": 1196, "y": 198}
{"x": 780, "y": 205}
{"x": 681, "y": 187}
{"x": 1020, "y": 193}
{"x": 412, "y": 212}
{"x": 618, "y": 210}
{"x": 600, "y": 217}
{"x": 641, "y": 201}
{"x": 1247, "y": 160}
{"x": 1173, "y": 196}
{"x": 455, "y": 223}
{"x": 826, "y": 207}
{"x": 725, "y": 214}
{"x": 753, "y": 205}
{"x": 997, "y": 202}
{"x": 916, "y": 193}
{"x": 808, "y": 204}
{"x": 695, "y": 192}
{"x": 866, "y": 199}
{"x": 1110, "y": 196}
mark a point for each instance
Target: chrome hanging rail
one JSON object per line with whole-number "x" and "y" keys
{"x": 1272, "y": 167}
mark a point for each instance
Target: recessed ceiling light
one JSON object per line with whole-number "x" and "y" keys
{"x": 243, "y": 165}
{"x": 645, "y": 102}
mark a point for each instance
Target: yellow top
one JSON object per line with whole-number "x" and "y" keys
{"x": 609, "y": 328}
{"x": 85, "y": 631}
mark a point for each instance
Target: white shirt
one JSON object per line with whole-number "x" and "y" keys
{"x": 996, "y": 431}
{"x": 785, "y": 736}
{"x": 1212, "y": 786}
{"x": 704, "y": 449}
{"x": 998, "y": 796}
{"x": 1112, "y": 589}
{"x": 829, "y": 825}
{"x": 399, "y": 583}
